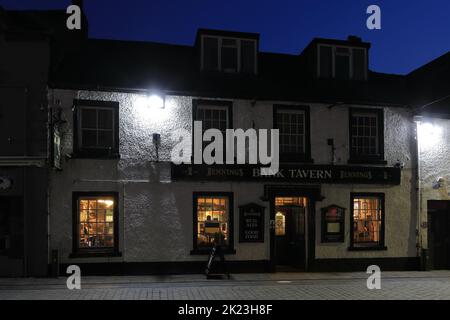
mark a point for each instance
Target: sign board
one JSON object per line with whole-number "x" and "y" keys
{"x": 251, "y": 223}
{"x": 56, "y": 148}
{"x": 333, "y": 226}
{"x": 291, "y": 173}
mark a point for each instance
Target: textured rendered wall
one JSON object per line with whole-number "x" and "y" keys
{"x": 434, "y": 164}
{"x": 156, "y": 215}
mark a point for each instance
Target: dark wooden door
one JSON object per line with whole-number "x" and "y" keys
{"x": 290, "y": 236}
{"x": 439, "y": 234}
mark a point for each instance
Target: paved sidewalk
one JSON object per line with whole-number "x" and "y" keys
{"x": 301, "y": 286}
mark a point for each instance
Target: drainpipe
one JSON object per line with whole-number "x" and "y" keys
{"x": 421, "y": 253}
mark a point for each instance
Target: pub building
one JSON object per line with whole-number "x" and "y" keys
{"x": 344, "y": 197}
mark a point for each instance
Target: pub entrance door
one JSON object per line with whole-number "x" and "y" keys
{"x": 290, "y": 232}
{"x": 439, "y": 234}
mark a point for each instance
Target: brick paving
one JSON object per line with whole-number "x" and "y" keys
{"x": 291, "y": 286}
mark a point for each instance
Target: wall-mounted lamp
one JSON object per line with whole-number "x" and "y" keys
{"x": 156, "y": 100}
{"x": 428, "y": 132}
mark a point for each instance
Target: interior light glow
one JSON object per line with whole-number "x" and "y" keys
{"x": 108, "y": 203}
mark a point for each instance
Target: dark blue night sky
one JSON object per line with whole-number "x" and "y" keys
{"x": 413, "y": 32}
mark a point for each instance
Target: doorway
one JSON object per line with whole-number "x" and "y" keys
{"x": 439, "y": 234}
{"x": 11, "y": 237}
{"x": 291, "y": 233}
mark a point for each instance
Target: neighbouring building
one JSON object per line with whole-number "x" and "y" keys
{"x": 30, "y": 43}
{"x": 431, "y": 103}
{"x": 344, "y": 198}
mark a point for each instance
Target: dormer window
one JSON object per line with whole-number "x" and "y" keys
{"x": 342, "y": 62}
{"x": 228, "y": 54}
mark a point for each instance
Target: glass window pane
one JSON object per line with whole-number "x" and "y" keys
{"x": 248, "y": 56}
{"x": 105, "y": 119}
{"x": 367, "y": 221}
{"x": 229, "y": 59}
{"x": 342, "y": 67}
{"x": 212, "y": 221}
{"x": 210, "y": 54}
{"x": 359, "y": 65}
{"x": 88, "y": 118}
{"x": 89, "y": 138}
{"x": 325, "y": 62}
{"x": 96, "y": 225}
{"x": 105, "y": 139}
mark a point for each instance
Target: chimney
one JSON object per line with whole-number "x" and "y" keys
{"x": 78, "y": 3}
{"x": 353, "y": 38}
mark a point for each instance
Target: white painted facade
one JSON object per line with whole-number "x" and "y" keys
{"x": 434, "y": 166}
{"x": 156, "y": 215}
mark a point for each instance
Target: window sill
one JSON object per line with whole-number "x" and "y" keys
{"x": 366, "y": 161}
{"x": 381, "y": 248}
{"x": 208, "y": 251}
{"x": 88, "y": 155}
{"x": 295, "y": 158}
{"x": 95, "y": 254}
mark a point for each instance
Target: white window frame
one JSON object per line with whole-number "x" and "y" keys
{"x": 377, "y": 124}
{"x": 295, "y": 111}
{"x": 333, "y": 60}
{"x": 219, "y": 52}
{"x": 213, "y": 107}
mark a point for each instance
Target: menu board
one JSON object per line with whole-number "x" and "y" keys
{"x": 333, "y": 218}
{"x": 251, "y": 223}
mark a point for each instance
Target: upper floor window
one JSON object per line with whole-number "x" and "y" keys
{"x": 213, "y": 114}
{"x": 366, "y": 134}
{"x": 231, "y": 55}
{"x": 293, "y": 125}
{"x": 341, "y": 62}
{"x": 96, "y": 128}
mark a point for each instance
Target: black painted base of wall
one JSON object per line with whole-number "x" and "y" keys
{"x": 349, "y": 265}
{"x": 161, "y": 268}
{"x": 258, "y": 266}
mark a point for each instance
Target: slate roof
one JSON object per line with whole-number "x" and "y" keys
{"x": 430, "y": 87}
{"x": 131, "y": 65}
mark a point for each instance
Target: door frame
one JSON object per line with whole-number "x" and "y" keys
{"x": 313, "y": 195}
{"x": 433, "y": 207}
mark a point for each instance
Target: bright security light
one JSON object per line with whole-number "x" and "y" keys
{"x": 155, "y": 101}
{"x": 429, "y": 133}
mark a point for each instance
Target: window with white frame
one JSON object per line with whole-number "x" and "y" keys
{"x": 342, "y": 62}
{"x": 231, "y": 55}
{"x": 213, "y": 114}
{"x": 366, "y": 129}
{"x": 292, "y": 130}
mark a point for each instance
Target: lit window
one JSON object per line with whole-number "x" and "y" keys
{"x": 366, "y": 139}
{"x": 96, "y": 219}
{"x": 367, "y": 219}
{"x": 212, "y": 220}
{"x": 280, "y": 224}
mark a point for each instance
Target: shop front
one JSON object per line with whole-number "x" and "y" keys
{"x": 301, "y": 218}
